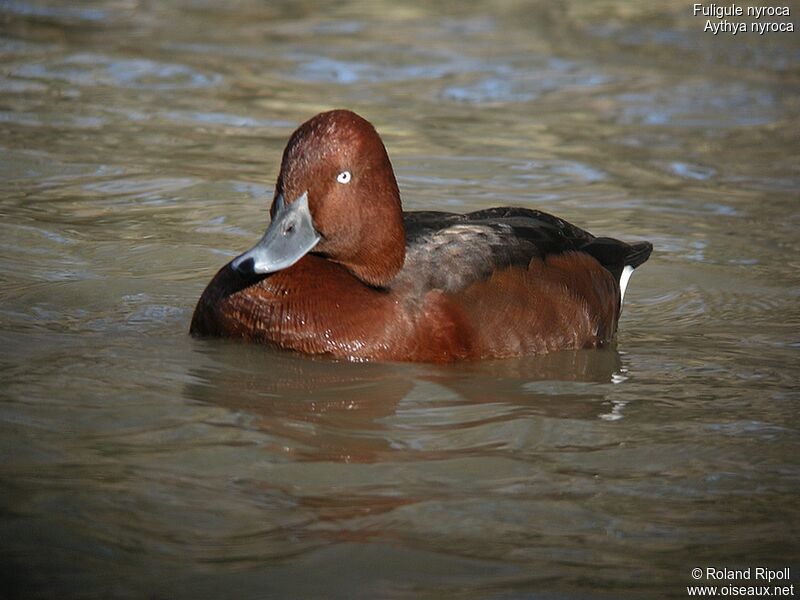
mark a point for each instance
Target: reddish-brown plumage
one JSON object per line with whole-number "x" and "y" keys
{"x": 492, "y": 284}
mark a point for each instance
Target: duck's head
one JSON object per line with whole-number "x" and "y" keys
{"x": 336, "y": 196}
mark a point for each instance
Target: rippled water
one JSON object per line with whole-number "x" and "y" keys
{"x": 140, "y": 143}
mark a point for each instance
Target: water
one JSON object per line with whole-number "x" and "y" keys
{"x": 140, "y": 143}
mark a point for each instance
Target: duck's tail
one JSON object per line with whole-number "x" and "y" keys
{"x": 619, "y": 257}
{"x": 638, "y": 254}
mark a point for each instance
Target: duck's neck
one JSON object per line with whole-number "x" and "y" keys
{"x": 380, "y": 252}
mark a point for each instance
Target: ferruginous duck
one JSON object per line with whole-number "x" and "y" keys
{"x": 343, "y": 272}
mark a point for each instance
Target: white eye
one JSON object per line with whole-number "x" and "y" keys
{"x": 343, "y": 177}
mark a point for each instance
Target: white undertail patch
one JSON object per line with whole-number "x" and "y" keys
{"x": 627, "y": 271}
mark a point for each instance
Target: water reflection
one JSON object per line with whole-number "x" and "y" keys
{"x": 93, "y": 69}
{"x": 319, "y": 409}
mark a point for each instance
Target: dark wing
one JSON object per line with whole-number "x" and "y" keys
{"x": 449, "y": 251}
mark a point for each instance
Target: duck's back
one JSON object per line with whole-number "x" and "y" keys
{"x": 452, "y": 250}
{"x": 523, "y": 280}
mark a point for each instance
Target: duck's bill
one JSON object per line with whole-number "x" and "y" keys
{"x": 289, "y": 237}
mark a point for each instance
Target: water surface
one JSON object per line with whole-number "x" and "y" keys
{"x": 140, "y": 144}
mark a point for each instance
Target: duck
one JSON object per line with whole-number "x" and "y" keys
{"x": 343, "y": 272}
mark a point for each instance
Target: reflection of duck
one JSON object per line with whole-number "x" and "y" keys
{"x": 344, "y": 412}
{"x": 308, "y": 407}
{"x": 343, "y": 271}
